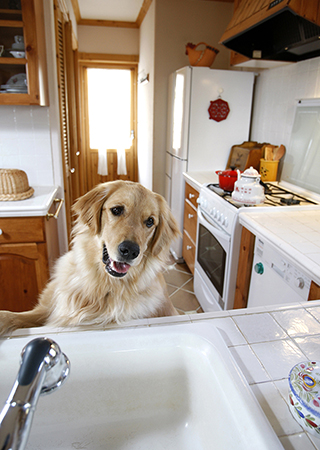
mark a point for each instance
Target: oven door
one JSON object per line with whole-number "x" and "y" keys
{"x": 212, "y": 258}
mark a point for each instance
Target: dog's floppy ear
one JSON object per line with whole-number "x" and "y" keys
{"x": 88, "y": 207}
{"x": 167, "y": 229}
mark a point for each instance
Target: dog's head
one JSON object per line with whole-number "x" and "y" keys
{"x": 130, "y": 221}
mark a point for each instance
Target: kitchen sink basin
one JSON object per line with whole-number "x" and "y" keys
{"x": 164, "y": 387}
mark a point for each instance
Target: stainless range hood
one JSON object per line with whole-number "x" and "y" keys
{"x": 278, "y": 30}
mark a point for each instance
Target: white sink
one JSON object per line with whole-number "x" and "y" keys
{"x": 165, "y": 387}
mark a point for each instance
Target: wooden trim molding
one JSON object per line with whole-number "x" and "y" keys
{"x": 244, "y": 269}
{"x": 107, "y": 58}
{"x": 107, "y": 23}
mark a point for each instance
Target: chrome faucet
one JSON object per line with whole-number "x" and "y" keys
{"x": 43, "y": 369}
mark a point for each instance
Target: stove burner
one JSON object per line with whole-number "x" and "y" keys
{"x": 289, "y": 201}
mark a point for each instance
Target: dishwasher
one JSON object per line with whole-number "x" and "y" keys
{"x": 275, "y": 279}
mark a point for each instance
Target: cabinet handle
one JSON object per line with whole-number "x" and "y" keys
{"x": 190, "y": 216}
{"x": 55, "y": 216}
{"x": 189, "y": 247}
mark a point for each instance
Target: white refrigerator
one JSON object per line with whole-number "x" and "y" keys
{"x": 196, "y": 142}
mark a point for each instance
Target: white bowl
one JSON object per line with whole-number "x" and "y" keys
{"x": 304, "y": 395}
{"x": 17, "y": 54}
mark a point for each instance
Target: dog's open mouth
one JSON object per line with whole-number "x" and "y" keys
{"x": 114, "y": 268}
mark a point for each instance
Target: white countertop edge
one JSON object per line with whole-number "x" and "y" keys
{"x": 289, "y": 252}
{"x": 37, "y": 205}
{"x": 161, "y": 321}
{"x": 198, "y": 179}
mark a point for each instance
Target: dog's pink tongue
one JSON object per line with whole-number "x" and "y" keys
{"x": 120, "y": 267}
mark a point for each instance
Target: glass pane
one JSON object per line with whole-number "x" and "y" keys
{"x": 302, "y": 161}
{"x": 212, "y": 258}
{"x": 109, "y": 107}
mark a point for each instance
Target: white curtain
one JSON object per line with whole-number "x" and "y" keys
{"x": 109, "y": 104}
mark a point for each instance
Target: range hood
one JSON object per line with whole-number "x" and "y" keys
{"x": 278, "y": 30}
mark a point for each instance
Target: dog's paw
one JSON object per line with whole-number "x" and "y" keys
{"x": 7, "y": 322}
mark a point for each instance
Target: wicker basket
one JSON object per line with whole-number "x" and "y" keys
{"x": 14, "y": 185}
{"x": 201, "y": 58}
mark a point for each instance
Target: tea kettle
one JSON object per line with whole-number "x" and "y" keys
{"x": 247, "y": 188}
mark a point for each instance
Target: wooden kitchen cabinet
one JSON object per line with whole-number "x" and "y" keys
{"x": 28, "y": 248}
{"x": 190, "y": 226}
{"x": 29, "y": 23}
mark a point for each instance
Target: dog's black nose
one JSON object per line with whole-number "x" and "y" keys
{"x": 129, "y": 250}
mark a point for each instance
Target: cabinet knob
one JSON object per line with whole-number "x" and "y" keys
{"x": 259, "y": 268}
{"x": 72, "y": 170}
{"x": 189, "y": 247}
{"x": 190, "y": 216}
{"x": 1, "y": 232}
{"x": 191, "y": 196}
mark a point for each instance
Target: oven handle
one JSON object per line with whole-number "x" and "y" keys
{"x": 217, "y": 231}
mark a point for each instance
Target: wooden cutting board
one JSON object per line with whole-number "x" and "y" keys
{"x": 245, "y": 155}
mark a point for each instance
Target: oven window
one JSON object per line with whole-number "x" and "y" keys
{"x": 212, "y": 258}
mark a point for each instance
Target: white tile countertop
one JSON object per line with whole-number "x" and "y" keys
{"x": 37, "y": 205}
{"x": 265, "y": 343}
{"x": 295, "y": 233}
{"x": 197, "y": 179}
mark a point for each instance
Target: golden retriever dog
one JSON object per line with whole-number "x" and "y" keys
{"x": 114, "y": 270}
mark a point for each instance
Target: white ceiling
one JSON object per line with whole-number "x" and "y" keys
{"x": 118, "y": 10}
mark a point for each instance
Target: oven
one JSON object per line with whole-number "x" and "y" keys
{"x": 217, "y": 241}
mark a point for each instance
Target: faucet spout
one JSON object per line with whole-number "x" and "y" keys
{"x": 43, "y": 369}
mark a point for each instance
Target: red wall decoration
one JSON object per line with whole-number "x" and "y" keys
{"x": 218, "y": 110}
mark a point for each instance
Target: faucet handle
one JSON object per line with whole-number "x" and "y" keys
{"x": 56, "y": 364}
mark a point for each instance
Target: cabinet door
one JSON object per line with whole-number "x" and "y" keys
{"x": 23, "y": 275}
{"x": 188, "y": 251}
{"x": 190, "y": 220}
{"x": 31, "y": 63}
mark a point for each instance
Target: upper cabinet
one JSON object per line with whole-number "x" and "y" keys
{"x": 23, "y": 67}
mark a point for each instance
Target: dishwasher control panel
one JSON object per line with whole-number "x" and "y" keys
{"x": 275, "y": 278}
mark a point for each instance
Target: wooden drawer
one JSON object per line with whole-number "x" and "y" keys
{"x": 190, "y": 220}
{"x": 192, "y": 195}
{"x": 188, "y": 251}
{"x": 21, "y": 229}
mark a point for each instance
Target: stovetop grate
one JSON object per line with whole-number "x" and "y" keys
{"x": 275, "y": 195}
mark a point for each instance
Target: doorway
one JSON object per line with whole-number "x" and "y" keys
{"x": 108, "y": 122}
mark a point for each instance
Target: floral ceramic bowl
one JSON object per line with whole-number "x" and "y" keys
{"x": 304, "y": 395}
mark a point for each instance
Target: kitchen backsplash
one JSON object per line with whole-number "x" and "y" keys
{"x": 275, "y": 95}
{"x": 25, "y": 142}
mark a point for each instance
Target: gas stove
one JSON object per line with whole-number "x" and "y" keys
{"x": 275, "y": 195}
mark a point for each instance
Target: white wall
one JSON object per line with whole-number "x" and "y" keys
{"x": 146, "y": 99}
{"x": 276, "y": 93}
{"x": 122, "y": 41}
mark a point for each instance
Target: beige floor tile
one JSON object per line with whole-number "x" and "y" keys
{"x": 186, "y": 301}
{"x": 175, "y": 278}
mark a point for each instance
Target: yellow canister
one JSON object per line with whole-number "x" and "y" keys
{"x": 268, "y": 170}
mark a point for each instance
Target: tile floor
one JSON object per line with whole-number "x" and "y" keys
{"x": 180, "y": 289}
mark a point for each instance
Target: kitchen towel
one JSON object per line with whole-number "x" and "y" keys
{"x": 102, "y": 161}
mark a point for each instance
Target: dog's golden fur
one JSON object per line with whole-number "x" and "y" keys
{"x": 96, "y": 281}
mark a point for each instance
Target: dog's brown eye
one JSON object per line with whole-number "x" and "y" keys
{"x": 150, "y": 222}
{"x": 117, "y": 210}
